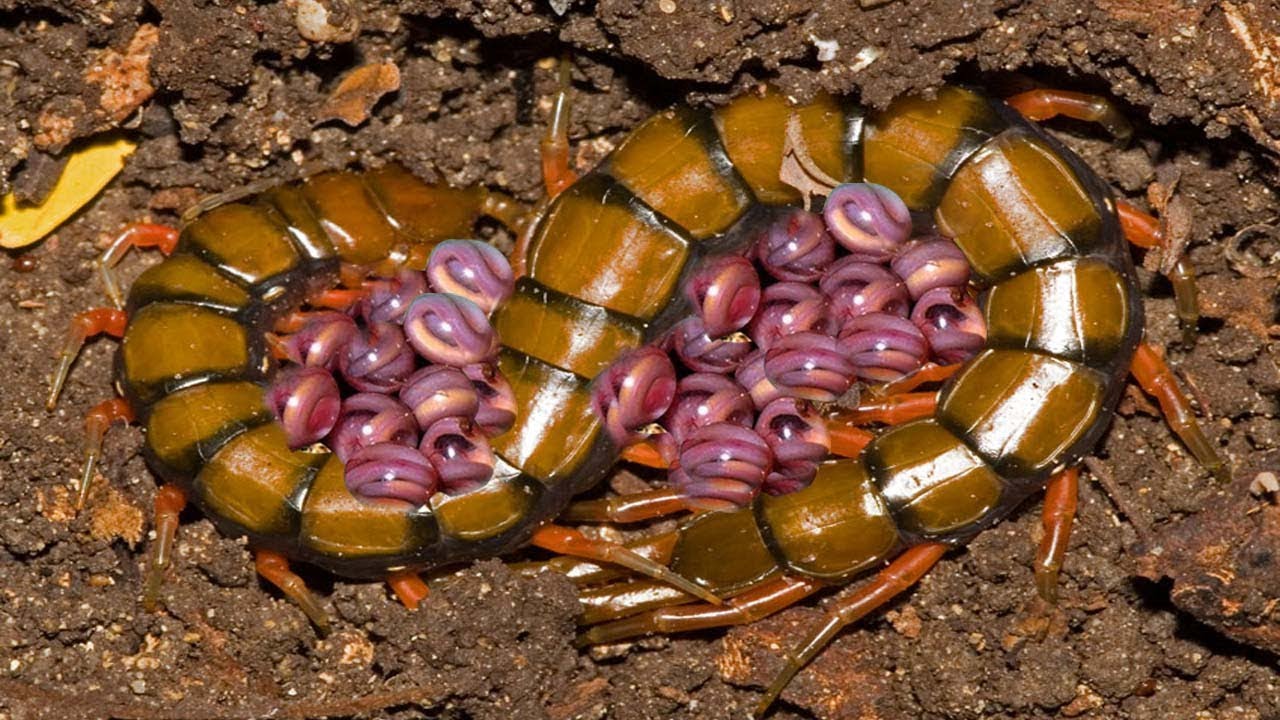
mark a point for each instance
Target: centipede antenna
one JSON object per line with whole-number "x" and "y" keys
{"x": 571, "y": 542}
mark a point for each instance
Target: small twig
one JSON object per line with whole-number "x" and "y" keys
{"x": 1120, "y": 499}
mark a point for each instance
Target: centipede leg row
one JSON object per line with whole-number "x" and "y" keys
{"x": 602, "y": 274}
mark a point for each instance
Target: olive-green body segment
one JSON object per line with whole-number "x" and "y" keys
{"x": 931, "y": 481}
{"x": 563, "y": 331}
{"x": 833, "y": 529}
{"x": 700, "y": 552}
{"x": 602, "y": 267}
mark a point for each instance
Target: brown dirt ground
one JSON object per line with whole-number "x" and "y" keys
{"x": 1171, "y": 584}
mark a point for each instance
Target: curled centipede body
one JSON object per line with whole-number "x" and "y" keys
{"x": 601, "y": 271}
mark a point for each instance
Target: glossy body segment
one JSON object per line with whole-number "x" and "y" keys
{"x": 932, "y": 482}
{"x": 754, "y": 131}
{"x": 336, "y": 523}
{"x": 1025, "y": 312}
{"x": 1062, "y": 308}
{"x": 1016, "y": 203}
{"x": 564, "y": 331}
{"x": 1021, "y": 411}
{"x": 556, "y": 428}
{"x": 200, "y": 345}
{"x": 568, "y": 255}
{"x": 674, "y": 164}
{"x": 916, "y": 145}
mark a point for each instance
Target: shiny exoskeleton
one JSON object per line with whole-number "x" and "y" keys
{"x": 602, "y": 265}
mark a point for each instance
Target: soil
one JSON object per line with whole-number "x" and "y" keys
{"x": 1169, "y": 592}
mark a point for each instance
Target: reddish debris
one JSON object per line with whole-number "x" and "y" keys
{"x": 1225, "y": 565}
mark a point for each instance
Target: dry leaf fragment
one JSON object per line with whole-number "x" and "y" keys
{"x": 88, "y": 170}
{"x": 359, "y": 91}
{"x": 799, "y": 170}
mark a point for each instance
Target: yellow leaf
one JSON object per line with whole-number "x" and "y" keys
{"x": 88, "y": 170}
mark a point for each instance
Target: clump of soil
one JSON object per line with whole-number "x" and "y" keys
{"x": 1169, "y": 590}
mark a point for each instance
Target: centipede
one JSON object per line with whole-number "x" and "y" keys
{"x": 852, "y": 339}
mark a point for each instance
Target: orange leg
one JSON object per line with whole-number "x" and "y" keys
{"x": 847, "y": 440}
{"x": 338, "y": 299}
{"x": 1143, "y": 230}
{"x": 927, "y": 374}
{"x": 513, "y": 214}
{"x": 96, "y": 422}
{"x": 556, "y": 173}
{"x": 636, "y": 507}
{"x": 1058, "y": 515}
{"x": 568, "y": 541}
{"x": 1139, "y": 228}
{"x": 745, "y": 608}
{"x": 274, "y": 568}
{"x": 905, "y": 571}
{"x": 83, "y": 326}
{"x": 891, "y": 410}
{"x": 409, "y": 588}
{"x": 170, "y": 500}
{"x": 1157, "y": 380}
{"x": 624, "y": 599}
{"x": 646, "y": 454}
{"x": 139, "y": 235}
{"x": 1045, "y": 104}
{"x": 658, "y": 548}
{"x": 277, "y": 347}
{"x": 294, "y": 321}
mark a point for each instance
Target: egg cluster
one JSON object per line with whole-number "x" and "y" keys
{"x": 817, "y": 302}
{"x": 403, "y": 388}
